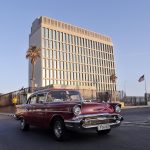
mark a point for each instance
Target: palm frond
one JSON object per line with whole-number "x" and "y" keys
{"x": 33, "y": 53}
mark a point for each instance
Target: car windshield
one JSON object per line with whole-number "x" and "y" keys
{"x": 64, "y": 95}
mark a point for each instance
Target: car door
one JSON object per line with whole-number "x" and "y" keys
{"x": 29, "y": 107}
{"x": 39, "y": 109}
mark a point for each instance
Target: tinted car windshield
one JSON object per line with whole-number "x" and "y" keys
{"x": 63, "y": 95}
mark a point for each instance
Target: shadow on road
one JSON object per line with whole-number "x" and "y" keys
{"x": 73, "y": 136}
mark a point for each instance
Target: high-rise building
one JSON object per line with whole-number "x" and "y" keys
{"x": 71, "y": 56}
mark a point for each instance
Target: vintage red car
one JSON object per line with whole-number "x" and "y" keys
{"x": 61, "y": 109}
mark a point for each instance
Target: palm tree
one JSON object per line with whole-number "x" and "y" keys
{"x": 33, "y": 53}
{"x": 113, "y": 78}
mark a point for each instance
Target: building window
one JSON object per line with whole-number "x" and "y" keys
{"x": 72, "y": 39}
{"x": 55, "y": 45}
{"x": 58, "y": 35}
{"x": 64, "y": 37}
{"x": 58, "y": 75}
{"x": 62, "y": 75}
{"x": 43, "y": 52}
{"x": 47, "y": 73}
{"x": 47, "y": 63}
{"x": 50, "y": 64}
{"x": 51, "y": 34}
{"x": 54, "y": 35}
{"x": 54, "y": 54}
{"x": 51, "y": 45}
{"x": 55, "y": 64}
{"x": 46, "y": 33}
{"x": 51, "y": 74}
{"x": 55, "y": 76}
{"x": 44, "y": 73}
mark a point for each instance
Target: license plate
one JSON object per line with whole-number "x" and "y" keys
{"x": 103, "y": 127}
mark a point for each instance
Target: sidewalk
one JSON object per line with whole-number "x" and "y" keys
{"x": 7, "y": 114}
{"x": 140, "y": 106}
{"x": 8, "y": 110}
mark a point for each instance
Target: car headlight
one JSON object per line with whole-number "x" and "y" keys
{"x": 117, "y": 109}
{"x": 76, "y": 110}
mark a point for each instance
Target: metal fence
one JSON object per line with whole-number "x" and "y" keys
{"x": 134, "y": 100}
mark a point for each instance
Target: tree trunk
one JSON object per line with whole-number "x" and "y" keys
{"x": 32, "y": 81}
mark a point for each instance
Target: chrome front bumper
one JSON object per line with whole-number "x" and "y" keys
{"x": 93, "y": 121}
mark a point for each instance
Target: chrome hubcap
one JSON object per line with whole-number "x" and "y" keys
{"x": 22, "y": 124}
{"x": 58, "y": 129}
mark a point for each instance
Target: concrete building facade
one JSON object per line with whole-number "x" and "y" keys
{"x": 71, "y": 56}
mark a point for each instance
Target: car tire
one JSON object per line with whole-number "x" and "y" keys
{"x": 59, "y": 130}
{"x": 23, "y": 125}
{"x": 103, "y": 132}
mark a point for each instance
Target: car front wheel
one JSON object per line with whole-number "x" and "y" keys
{"x": 23, "y": 125}
{"x": 59, "y": 130}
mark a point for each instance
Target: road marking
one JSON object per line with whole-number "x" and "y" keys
{"x": 133, "y": 125}
{"x": 138, "y": 124}
{"x": 7, "y": 114}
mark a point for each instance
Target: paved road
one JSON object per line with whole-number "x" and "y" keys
{"x": 127, "y": 137}
{"x": 137, "y": 114}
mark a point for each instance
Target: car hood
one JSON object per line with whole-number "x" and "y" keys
{"x": 94, "y": 108}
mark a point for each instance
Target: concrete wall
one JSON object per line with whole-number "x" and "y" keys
{"x": 35, "y": 40}
{"x": 134, "y": 100}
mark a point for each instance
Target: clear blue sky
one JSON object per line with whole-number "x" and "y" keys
{"x": 127, "y": 22}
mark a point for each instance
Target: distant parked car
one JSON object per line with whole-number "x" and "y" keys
{"x": 61, "y": 109}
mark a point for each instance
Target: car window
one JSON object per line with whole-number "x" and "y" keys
{"x": 62, "y": 95}
{"x": 50, "y": 98}
{"x": 33, "y": 100}
{"x": 41, "y": 98}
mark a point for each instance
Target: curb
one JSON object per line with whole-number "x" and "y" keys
{"x": 7, "y": 114}
{"x": 132, "y": 107}
{"x": 137, "y": 123}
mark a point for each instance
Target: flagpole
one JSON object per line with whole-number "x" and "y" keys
{"x": 145, "y": 92}
{"x": 145, "y": 85}
{"x": 125, "y": 87}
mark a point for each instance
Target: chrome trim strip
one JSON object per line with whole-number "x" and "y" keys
{"x": 94, "y": 126}
{"x": 59, "y": 111}
{"x": 97, "y": 115}
{"x": 79, "y": 118}
{"x": 72, "y": 121}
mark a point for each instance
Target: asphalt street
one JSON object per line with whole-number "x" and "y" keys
{"x": 133, "y": 134}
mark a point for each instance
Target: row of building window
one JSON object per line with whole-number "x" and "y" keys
{"x": 78, "y": 50}
{"x": 100, "y": 87}
{"x": 62, "y": 65}
{"x": 75, "y": 40}
{"x": 72, "y": 57}
{"x": 74, "y": 75}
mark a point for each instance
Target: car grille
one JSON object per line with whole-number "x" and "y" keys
{"x": 99, "y": 120}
